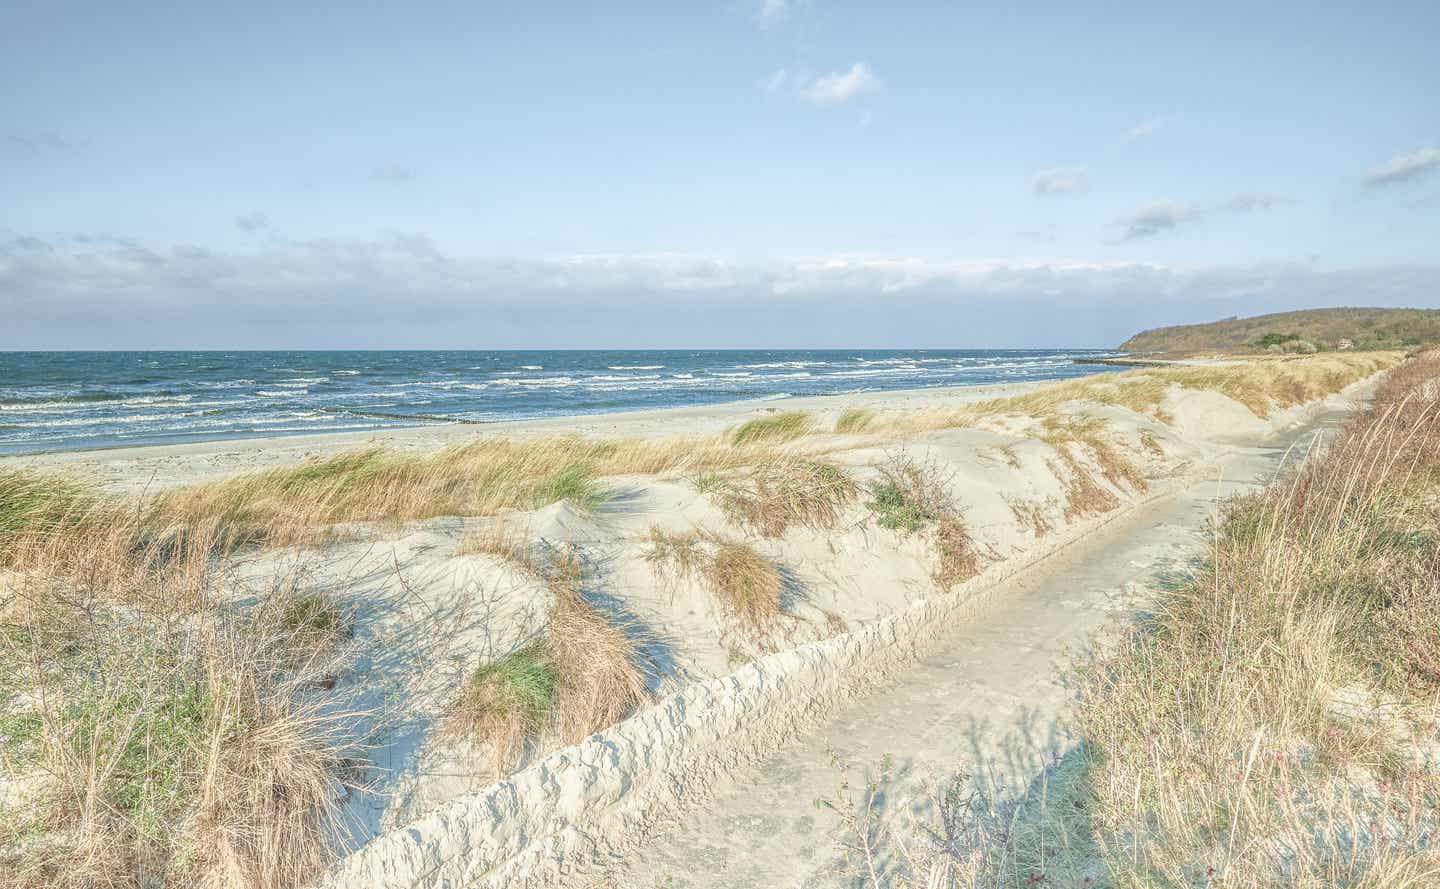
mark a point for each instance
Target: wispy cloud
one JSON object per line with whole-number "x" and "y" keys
{"x": 1060, "y": 180}
{"x": 1147, "y": 128}
{"x": 1158, "y": 217}
{"x": 840, "y": 86}
{"x": 392, "y": 173}
{"x": 1404, "y": 168}
{"x": 773, "y": 83}
{"x": 252, "y": 222}
{"x": 40, "y": 142}
{"x": 772, "y": 14}
{"x": 835, "y": 88}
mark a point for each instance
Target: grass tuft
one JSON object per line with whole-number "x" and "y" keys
{"x": 780, "y": 494}
{"x": 745, "y": 582}
{"x": 573, "y": 484}
{"x": 779, "y": 427}
{"x": 909, "y": 498}
{"x": 312, "y": 622}
{"x": 854, "y": 420}
{"x": 506, "y": 704}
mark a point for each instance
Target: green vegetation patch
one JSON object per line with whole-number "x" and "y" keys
{"x": 575, "y": 484}
{"x": 854, "y": 420}
{"x": 31, "y": 500}
{"x": 784, "y": 426}
{"x": 519, "y": 686}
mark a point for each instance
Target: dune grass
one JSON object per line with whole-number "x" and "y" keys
{"x": 853, "y": 420}
{"x": 1273, "y": 722}
{"x": 163, "y": 751}
{"x": 574, "y": 484}
{"x": 504, "y": 541}
{"x": 1261, "y": 384}
{"x": 910, "y": 497}
{"x": 312, "y": 622}
{"x": 1030, "y": 515}
{"x": 780, "y": 427}
{"x": 779, "y": 494}
{"x": 584, "y": 672}
{"x": 1285, "y": 695}
{"x": 675, "y": 556}
{"x": 745, "y": 583}
{"x": 506, "y": 703}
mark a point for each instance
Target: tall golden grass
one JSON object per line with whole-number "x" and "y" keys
{"x": 1273, "y": 724}
{"x": 152, "y": 748}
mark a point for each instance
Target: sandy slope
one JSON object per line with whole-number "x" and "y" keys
{"x": 990, "y": 703}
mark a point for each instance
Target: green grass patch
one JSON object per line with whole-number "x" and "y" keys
{"x": 853, "y": 420}
{"x": 506, "y": 703}
{"x": 896, "y": 509}
{"x": 33, "y": 501}
{"x": 784, "y": 426}
{"x": 575, "y": 484}
{"x": 313, "y": 622}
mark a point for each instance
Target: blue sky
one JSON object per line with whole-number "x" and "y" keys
{"x": 757, "y": 173}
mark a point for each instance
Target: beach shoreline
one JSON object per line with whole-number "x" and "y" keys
{"x": 163, "y": 465}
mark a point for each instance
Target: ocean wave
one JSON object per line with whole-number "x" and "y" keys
{"x": 636, "y": 366}
{"x": 532, "y": 367}
{"x": 770, "y": 364}
{"x": 82, "y": 397}
{"x": 607, "y": 378}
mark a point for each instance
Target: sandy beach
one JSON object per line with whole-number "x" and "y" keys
{"x": 135, "y": 467}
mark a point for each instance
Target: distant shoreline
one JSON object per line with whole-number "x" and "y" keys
{"x": 53, "y": 402}
{"x": 161, "y": 465}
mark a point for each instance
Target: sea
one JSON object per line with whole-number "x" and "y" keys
{"x": 82, "y": 400}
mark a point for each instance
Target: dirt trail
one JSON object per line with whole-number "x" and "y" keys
{"x": 990, "y": 702}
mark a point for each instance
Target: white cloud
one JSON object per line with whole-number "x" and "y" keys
{"x": 1404, "y": 168}
{"x": 1060, "y": 180}
{"x": 405, "y": 291}
{"x": 838, "y": 87}
{"x": 1157, "y": 217}
{"x": 1147, "y": 128}
{"x": 772, "y": 14}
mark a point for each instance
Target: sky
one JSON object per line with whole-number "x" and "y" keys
{"x": 739, "y": 173}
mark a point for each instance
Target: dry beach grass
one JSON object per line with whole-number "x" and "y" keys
{"x": 1273, "y": 724}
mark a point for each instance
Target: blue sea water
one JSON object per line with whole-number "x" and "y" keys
{"x": 74, "y": 400}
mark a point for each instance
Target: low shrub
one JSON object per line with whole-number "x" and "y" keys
{"x": 910, "y": 498}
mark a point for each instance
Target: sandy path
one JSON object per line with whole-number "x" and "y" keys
{"x": 990, "y": 702}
